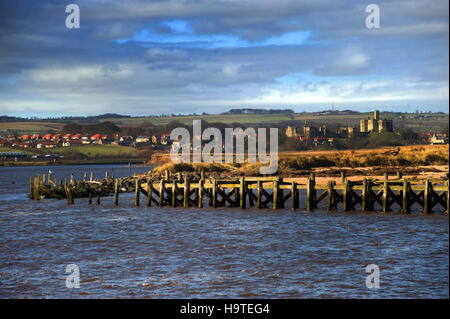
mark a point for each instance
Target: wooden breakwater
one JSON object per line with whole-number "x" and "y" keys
{"x": 397, "y": 194}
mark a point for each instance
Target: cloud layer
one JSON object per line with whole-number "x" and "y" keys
{"x": 153, "y": 57}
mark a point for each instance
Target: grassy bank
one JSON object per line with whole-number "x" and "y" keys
{"x": 294, "y": 161}
{"x": 80, "y": 155}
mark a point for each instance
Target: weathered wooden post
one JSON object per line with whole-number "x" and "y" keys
{"x": 343, "y": 177}
{"x": 214, "y": 193}
{"x": 72, "y": 179}
{"x": 294, "y": 196}
{"x": 405, "y": 201}
{"x": 385, "y": 199}
{"x": 258, "y": 194}
{"x": 364, "y": 196}
{"x": 90, "y": 197}
{"x": 237, "y": 199}
{"x": 166, "y": 175}
{"x": 186, "y": 191}
{"x": 106, "y": 175}
{"x": 70, "y": 200}
{"x": 92, "y": 176}
{"x": 276, "y": 188}
{"x": 36, "y": 188}
{"x": 43, "y": 179}
{"x": 242, "y": 193}
{"x": 200, "y": 193}
{"x": 137, "y": 192}
{"x": 149, "y": 193}
{"x": 202, "y": 174}
{"x": 309, "y": 194}
{"x": 345, "y": 196}
{"x": 448, "y": 197}
{"x": 330, "y": 190}
{"x": 116, "y": 192}
{"x": 31, "y": 187}
{"x": 174, "y": 193}
{"x": 399, "y": 175}
{"x": 161, "y": 193}
{"x": 98, "y": 198}
{"x": 386, "y": 176}
{"x": 426, "y": 197}
{"x": 314, "y": 193}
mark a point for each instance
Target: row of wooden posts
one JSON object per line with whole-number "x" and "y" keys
{"x": 428, "y": 195}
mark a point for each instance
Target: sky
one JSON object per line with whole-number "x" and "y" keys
{"x": 140, "y": 57}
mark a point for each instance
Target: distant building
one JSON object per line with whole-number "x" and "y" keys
{"x": 439, "y": 139}
{"x": 310, "y": 131}
{"x": 291, "y": 131}
{"x": 376, "y": 124}
{"x": 142, "y": 139}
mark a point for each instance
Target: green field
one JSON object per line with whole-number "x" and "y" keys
{"x": 88, "y": 152}
{"x": 12, "y": 149}
{"x": 31, "y": 127}
{"x": 228, "y": 119}
{"x": 97, "y": 151}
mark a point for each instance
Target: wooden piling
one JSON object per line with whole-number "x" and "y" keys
{"x": 242, "y": 193}
{"x": 258, "y": 194}
{"x": 405, "y": 201}
{"x": 92, "y": 176}
{"x": 186, "y": 192}
{"x": 364, "y": 196}
{"x": 330, "y": 190}
{"x": 174, "y": 193}
{"x": 214, "y": 193}
{"x": 309, "y": 194}
{"x": 200, "y": 194}
{"x": 90, "y": 197}
{"x": 276, "y": 188}
{"x": 399, "y": 175}
{"x": 343, "y": 178}
{"x": 31, "y": 188}
{"x": 448, "y": 197}
{"x": 137, "y": 192}
{"x": 70, "y": 200}
{"x": 345, "y": 196}
{"x": 161, "y": 193}
{"x": 294, "y": 196}
{"x": 72, "y": 179}
{"x": 149, "y": 193}
{"x": 385, "y": 207}
{"x": 116, "y": 192}
{"x": 36, "y": 188}
{"x": 426, "y": 197}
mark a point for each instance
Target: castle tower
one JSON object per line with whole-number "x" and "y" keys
{"x": 376, "y": 115}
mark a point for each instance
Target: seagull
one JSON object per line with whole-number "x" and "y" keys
{"x": 49, "y": 171}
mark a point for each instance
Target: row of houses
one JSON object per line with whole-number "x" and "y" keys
{"x": 41, "y": 141}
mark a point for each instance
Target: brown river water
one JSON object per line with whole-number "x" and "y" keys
{"x": 140, "y": 252}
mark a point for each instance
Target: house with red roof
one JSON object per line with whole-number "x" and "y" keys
{"x": 96, "y": 137}
{"x": 25, "y": 137}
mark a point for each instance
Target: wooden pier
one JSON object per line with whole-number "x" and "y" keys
{"x": 386, "y": 195}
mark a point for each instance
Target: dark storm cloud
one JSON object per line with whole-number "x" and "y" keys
{"x": 178, "y": 56}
